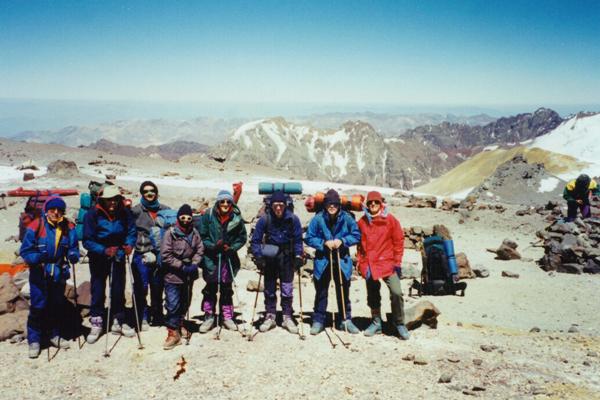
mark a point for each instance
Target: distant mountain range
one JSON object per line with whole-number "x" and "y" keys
{"x": 139, "y": 133}
{"x": 170, "y": 151}
{"x": 389, "y": 124}
{"x": 357, "y": 153}
{"x": 212, "y": 131}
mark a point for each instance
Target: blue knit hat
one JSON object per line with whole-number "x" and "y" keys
{"x": 55, "y": 202}
{"x": 278, "y": 197}
{"x": 224, "y": 195}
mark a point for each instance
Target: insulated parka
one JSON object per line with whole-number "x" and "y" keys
{"x": 178, "y": 249}
{"x": 318, "y": 233}
{"x": 144, "y": 221}
{"x": 381, "y": 246}
{"x": 233, "y": 233}
{"x": 278, "y": 231}
{"x": 100, "y": 230}
{"x": 45, "y": 243}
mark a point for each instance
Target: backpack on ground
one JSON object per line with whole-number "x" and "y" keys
{"x": 86, "y": 202}
{"x": 437, "y": 275}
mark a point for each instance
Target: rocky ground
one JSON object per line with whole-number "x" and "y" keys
{"x": 531, "y": 337}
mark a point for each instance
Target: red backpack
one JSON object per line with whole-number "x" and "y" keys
{"x": 34, "y": 209}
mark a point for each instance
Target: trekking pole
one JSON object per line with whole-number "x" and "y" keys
{"x": 292, "y": 257}
{"x": 345, "y": 344}
{"x": 76, "y": 320}
{"x": 344, "y": 318}
{"x": 302, "y": 335}
{"x": 187, "y": 315}
{"x": 110, "y": 278}
{"x": 237, "y": 297}
{"x": 218, "y": 303}
{"x": 250, "y": 336}
{"x": 135, "y": 309}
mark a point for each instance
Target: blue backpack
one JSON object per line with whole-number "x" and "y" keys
{"x": 164, "y": 220}
{"x": 86, "y": 202}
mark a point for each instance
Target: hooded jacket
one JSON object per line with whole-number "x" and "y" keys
{"x": 277, "y": 231}
{"x": 144, "y": 222}
{"x": 233, "y": 233}
{"x": 45, "y": 243}
{"x": 381, "y": 246}
{"x": 570, "y": 194}
{"x": 178, "y": 249}
{"x": 319, "y": 232}
{"x": 101, "y": 231}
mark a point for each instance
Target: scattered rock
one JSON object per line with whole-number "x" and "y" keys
{"x": 509, "y": 274}
{"x": 445, "y": 378}
{"x": 481, "y": 272}
{"x": 252, "y": 286}
{"x": 28, "y": 176}
{"x": 592, "y": 354}
{"x": 535, "y": 329}
{"x": 573, "y": 329}
{"x": 488, "y": 347}
{"x": 409, "y": 357}
{"x": 419, "y": 361}
{"x": 477, "y": 361}
{"x": 422, "y": 201}
{"x": 587, "y": 363}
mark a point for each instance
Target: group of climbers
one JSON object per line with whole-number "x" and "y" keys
{"x": 112, "y": 233}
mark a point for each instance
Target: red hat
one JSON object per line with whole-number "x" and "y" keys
{"x": 374, "y": 195}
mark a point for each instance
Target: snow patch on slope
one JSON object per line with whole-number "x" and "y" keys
{"x": 578, "y": 137}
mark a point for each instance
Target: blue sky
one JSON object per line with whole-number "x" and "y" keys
{"x": 449, "y": 53}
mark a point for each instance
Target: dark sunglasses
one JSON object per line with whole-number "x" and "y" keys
{"x": 224, "y": 202}
{"x": 373, "y": 202}
{"x": 185, "y": 218}
{"x": 148, "y": 191}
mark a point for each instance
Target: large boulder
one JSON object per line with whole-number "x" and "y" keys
{"x": 9, "y": 293}
{"x": 424, "y": 312}
{"x": 62, "y": 168}
{"x": 464, "y": 267}
{"x": 13, "y": 324}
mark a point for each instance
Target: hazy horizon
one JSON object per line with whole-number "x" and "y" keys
{"x": 19, "y": 115}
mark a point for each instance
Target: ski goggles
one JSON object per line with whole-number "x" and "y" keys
{"x": 185, "y": 218}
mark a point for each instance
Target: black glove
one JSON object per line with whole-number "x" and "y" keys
{"x": 260, "y": 263}
{"x": 191, "y": 271}
{"x": 398, "y": 271}
{"x": 298, "y": 262}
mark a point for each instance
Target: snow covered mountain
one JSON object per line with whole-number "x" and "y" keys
{"x": 353, "y": 150}
{"x": 353, "y": 153}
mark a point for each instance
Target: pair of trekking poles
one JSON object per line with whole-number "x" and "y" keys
{"x": 243, "y": 331}
{"x": 301, "y": 331}
{"x": 344, "y": 343}
{"x": 76, "y": 328}
{"x": 135, "y": 308}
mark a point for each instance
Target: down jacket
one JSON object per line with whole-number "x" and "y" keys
{"x": 381, "y": 246}
{"x": 318, "y": 233}
{"x": 177, "y": 250}
{"x": 101, "y": 231}
{"x": 233, "y": 233}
